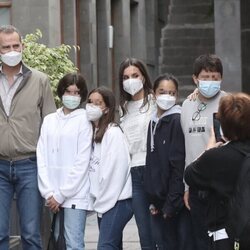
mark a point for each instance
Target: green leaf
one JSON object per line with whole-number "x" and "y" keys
{"x": 55, "y": 62}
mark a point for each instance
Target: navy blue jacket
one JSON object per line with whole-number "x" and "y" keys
{"x": 163, "y": 177}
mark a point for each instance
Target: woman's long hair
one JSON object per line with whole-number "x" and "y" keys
{"x": 147, "y": 84}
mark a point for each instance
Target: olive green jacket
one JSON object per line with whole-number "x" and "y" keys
{"x": 20, "y": 130}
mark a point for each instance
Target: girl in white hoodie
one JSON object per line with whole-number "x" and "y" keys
{"x": 110, "y": 180}
{"x": 63, "y": 155}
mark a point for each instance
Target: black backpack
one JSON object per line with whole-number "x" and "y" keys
{"x": 60, "y": 243}
{"x": 238, "y": 224}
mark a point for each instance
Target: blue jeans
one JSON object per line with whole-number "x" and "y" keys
{"x": 173, "y": 233}
{"x": 140, "y": 205}
{"x": 74, "y": 228}
{"x": 198, "y": 212}
{"x": 112, "y": 223}
{"x": 20, "y": 177}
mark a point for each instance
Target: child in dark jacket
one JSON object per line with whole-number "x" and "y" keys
{"x": 163, "y": 177}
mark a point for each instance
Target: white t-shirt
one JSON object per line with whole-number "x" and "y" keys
{"x": 197, "y": 132}
{"x": 135, "y": 127}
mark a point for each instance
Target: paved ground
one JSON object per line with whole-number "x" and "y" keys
{"x": 130, "y": 235}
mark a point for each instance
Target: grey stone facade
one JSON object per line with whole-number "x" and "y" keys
{"x": 136, "y": 28}
{"x": 196, "y": 27}
{"x": 245, "y": 41}
{"x": 228, "y": 42}
{"x": 166, "y": 34}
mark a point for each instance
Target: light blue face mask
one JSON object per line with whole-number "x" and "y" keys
{"x": 209, "y": 88}
{"x": 70, "y": 101}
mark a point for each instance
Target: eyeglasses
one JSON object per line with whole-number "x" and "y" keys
{"x": 196, "y": 115}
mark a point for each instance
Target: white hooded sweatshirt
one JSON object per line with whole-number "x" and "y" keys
{"x": 63, "y": 155}
{"x": 110, "y": 171}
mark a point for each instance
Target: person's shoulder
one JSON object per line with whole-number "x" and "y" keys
{"x": 114, "y": 131}
{"x": 80, "y": 115}
{"x": 187, "y": 103}
{"x": 39, "y": 74}
{"x": 175, "y": 117}
{"x": 27, "y": 68}
{"x": 216, "y": 99}
{"x": 223, "y": 93}
{"x": 112, "y": 134}
{"x": 220, "y": 152}
{"x": 34, "y": 72}
{"x": 114, "y": 137}
{"x": 114, "y": 128}
{"x": 48, "y": 118}
{"x": 80, "y": 112}
{"x": 173, "y": 121}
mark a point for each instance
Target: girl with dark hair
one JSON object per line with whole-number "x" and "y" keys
{"x": 109, "y": 170}
{"x": 136, "y": 103}
{"x": 165, "y": 162}
{"x": 63, "y": 154}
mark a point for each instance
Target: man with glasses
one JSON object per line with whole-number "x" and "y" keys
{"x": 197, "y": 120}
{"x": 25, "y": 99}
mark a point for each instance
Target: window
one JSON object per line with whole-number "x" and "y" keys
{"x": 5, "y": 11}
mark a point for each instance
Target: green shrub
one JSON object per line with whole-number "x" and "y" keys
{"x": 55, "y": 62}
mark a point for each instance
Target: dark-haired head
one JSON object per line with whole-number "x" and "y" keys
{"x": 109, "y": 107}
{"x": 147, "y": 85}
{"x": 167, "y": 77}
{"x": 209, "y": 63}
{"x": 234, "y": 116}
{"x": 73, "y": 79}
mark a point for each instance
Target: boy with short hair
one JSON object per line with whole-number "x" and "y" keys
{"x": 197, "y": 120}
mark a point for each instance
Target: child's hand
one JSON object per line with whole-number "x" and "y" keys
{"x": 53, "y": 204}
{"x": 166, "y": 216}
{"x": 153, "y": 210}
{"x": 193, "y": 96}
{"x": 186, "y": 199}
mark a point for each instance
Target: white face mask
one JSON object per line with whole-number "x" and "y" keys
{"x": 12, "y": 58}
{"x": 132, "y": 85}
{"x": 165, "y": 102}
{"x": 70, "y": 101}
{"x": 94, "y": 113}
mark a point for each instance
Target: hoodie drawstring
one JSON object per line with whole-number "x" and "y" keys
{"x": 152, "y": 134}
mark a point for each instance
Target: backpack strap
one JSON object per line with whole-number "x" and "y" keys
{"x": 61, "y": 224}
{"x": 53, "y": 224}
{"x": 51, "y": 241}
